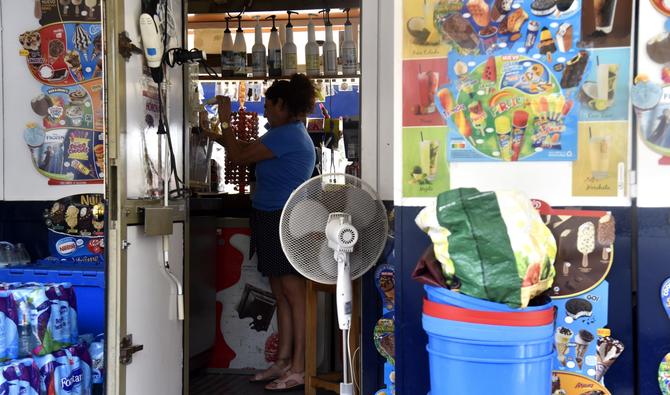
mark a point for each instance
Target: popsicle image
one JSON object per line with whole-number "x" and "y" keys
{"x": 562, "y": 339}
{"x": 544, "y": 108}
{"x": 547, "y": 45}
{"x": 519, "y": 122}
{"x": 609, "y": 350}
{"x": 582, "y": 340}
{"x": 463, "y": 126}
{"x": 480, "y": 12}
{"x": 606, "y": 232}
{"x": 477, "y": 116}
{"x": 557, "y": 107}
{"x": 586, "y": 241}
{"x": 531, "y": 35}
{"x": 504, "y": 131}
{"x": 567, "y": 107}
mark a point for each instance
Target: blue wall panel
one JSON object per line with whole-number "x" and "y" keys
{"x": 654, "y": 268}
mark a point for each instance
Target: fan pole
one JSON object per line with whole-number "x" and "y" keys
{"x": 346, "y": 387}
{"x": 344, "y": 300}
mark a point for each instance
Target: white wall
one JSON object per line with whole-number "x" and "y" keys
{"x": 653, "y": 185}
{"x": 2, "y": 116}
{"x": 21, "y": 180}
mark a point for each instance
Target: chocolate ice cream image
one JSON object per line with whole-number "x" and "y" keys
{"x": 459, "y": 30}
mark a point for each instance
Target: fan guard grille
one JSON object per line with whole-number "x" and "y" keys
{"x": 304, "y": 218}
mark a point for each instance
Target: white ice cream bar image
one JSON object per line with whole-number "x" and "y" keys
{"x": 564, "y": 37}
{"x": 586, "y": 240}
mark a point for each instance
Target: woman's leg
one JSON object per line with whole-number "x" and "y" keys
{"x": 284, "y": 322}
{"x": 294, "y": 289}
{"x": 285, "y": 330}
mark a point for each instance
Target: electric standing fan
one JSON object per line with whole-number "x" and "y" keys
{"x": 333, "y": 229}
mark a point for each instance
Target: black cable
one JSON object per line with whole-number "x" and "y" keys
{"x": 163, "y": 125}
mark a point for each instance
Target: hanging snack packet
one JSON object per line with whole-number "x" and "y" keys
{"x": 500, "y": 249}
{"x": 20, "y": 377}
{"x": 9, "y": 345}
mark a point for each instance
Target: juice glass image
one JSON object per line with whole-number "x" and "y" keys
{"x": 427, "y": 81}
{"x": 599, "y": 155}
{"x": 612, "y": 72}
{"x": 604, "y": 11}
{"x": 428, "y": 153}
{"x": 504, "y": 132}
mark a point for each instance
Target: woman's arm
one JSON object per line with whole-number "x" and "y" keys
{"x": 241, "y": 152}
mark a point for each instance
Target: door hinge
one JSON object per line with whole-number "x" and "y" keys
{"x": 125, "y": 244}
{"x": 128, "y": 349}
{"x": 633, "y": 184}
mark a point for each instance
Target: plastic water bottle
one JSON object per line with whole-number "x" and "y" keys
{"x": 26, "y": 343}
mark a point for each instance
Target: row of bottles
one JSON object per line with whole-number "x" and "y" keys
{"x": 283, "y": 60}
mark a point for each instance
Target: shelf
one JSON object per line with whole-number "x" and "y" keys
{"x": 207, "y": 77}
{"x": 218, "y": 6}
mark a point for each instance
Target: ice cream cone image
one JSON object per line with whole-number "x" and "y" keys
{"x": 562, "y": 338}
{"x": 609, "y": 350}
{"x": 583, "y": 340}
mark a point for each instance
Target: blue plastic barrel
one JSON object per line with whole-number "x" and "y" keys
{"x": 488, "y": 352}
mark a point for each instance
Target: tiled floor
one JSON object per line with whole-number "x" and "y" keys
{"x": 228, "y": 384}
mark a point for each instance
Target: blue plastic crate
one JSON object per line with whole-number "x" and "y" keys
{"x": 89, "y": 285}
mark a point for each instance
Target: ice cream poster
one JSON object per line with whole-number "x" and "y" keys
{"x": 425, "y": 168}
{"x": 54, "y": 11}
{"x": 578, "y": 322}
{"x": 601, "y": 169}
{"x": 76, "y": 106}
{"x": 63, "y": 54}
{"x": 564, "y": 383}
{"x": 66, "y": 156}
{"x": 514, "y": 70}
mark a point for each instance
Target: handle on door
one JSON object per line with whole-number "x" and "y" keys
{"x": 128, "y": 349}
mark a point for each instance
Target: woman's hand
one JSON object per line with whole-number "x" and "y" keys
{"x": 224, "y": 111}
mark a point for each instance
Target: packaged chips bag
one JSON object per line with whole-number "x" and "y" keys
{"x": 495, "y": 243}
{"x": 20, "y": 377}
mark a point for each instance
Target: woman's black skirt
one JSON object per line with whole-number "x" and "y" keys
{"x": 265, "y": 242}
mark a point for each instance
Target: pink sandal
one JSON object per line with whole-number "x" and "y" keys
{"x": 273, "y": 372}
{"x": 288, "y": 382}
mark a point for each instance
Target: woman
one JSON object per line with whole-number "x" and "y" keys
{"x": 284, "y": 159}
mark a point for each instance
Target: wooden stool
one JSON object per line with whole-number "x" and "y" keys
{"x": 328, "y": 381}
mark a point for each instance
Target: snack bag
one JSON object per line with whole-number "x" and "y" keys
{"x": 427, "y": 222}
{"x": 66, "y": 371}
{"x": 21, "y": 377}
{"x": 500, "y": 248}
{"x": 9, "y": 344}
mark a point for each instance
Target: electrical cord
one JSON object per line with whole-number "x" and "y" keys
{"x": 168, "y": 22}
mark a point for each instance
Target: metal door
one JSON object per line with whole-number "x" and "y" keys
{"x": 142, "y": 296}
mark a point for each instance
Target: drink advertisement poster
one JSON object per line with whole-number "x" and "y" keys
{"x": 603, "y": 160}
